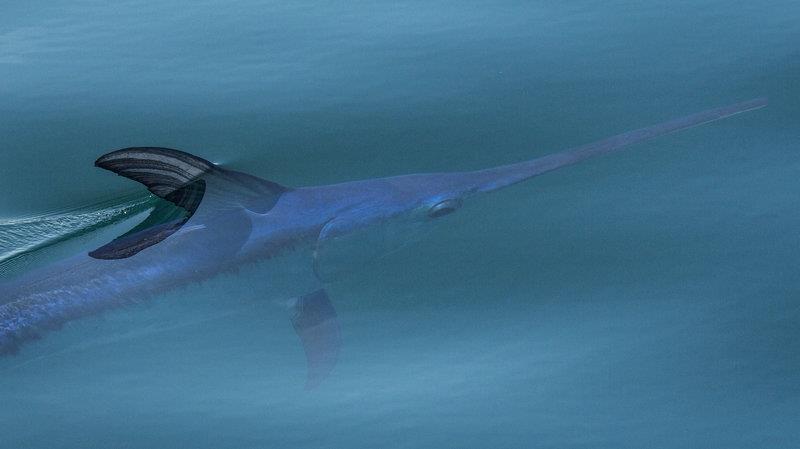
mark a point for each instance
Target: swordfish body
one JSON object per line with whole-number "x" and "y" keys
{"x": 218, "y": 219}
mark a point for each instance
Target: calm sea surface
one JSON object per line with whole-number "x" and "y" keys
{"x": 650, "y": 299}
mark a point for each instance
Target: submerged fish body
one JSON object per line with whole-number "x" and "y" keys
{"x": 229, "y": 218}
{"x": 82, "y": 285}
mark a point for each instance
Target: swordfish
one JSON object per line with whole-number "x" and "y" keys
{"x": 212, "y": 220}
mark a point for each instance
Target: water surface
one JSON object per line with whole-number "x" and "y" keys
{"x": 647, "y": 299}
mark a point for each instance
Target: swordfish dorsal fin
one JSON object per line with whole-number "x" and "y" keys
{"x": 186, "y": 181}
{"x": 162, "y": 170}
{"x": 165, "y": 172}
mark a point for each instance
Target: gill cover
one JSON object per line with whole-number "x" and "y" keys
{"x": 346, "y": 243}
{"x": 184, "y": 181}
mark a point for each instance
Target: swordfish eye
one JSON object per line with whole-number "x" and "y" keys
{"x": 443, "y": 208}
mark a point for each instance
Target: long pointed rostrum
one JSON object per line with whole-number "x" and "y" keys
{"x": 506, "y": 175}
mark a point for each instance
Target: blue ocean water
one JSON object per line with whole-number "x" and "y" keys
{"x": 646, "y": 299}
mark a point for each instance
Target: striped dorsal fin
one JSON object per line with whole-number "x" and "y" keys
{"x": 167, "y": 172}
{"x": 162, "y": 170}
{"x": 186, "y": 181}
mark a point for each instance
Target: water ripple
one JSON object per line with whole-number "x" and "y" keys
{"x": 23, "y": 235}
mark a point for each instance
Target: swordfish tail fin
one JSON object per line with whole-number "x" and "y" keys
{"x": 506, "y": 175}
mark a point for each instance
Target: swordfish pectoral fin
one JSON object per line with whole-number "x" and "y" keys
{"x": 186, "y": 181}
{"x": 314, "y": 320}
